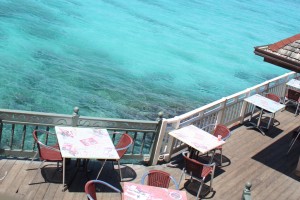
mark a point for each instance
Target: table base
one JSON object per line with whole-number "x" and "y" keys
{"x": 260, "y": 128}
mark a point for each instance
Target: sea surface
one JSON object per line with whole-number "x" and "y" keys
{"x": 133, "y": 59}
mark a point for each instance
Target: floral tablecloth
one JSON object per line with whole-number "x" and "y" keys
{"x": 134, "y": 191}
{"x": 88, "y": 143}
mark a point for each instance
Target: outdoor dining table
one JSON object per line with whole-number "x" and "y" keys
{"x": 84, "y": 143}
{"x": 198, "y": 139}
{"x": 263, "y": 103}
{"x": 293, "y": 83}
{"x": 134, "y": 191}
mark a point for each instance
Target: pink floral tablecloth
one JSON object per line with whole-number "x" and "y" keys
{"x": 197, "y": 138}
{"x": 294, "y": 83}
{"x": 265, "y": 103}
{"x": 134, "y": 191}
{"x": 88, "y": 143}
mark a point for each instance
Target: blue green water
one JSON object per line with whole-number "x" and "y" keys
{"x": 132, "y": 59}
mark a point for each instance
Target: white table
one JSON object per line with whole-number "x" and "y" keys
{"x": 84, "y": 143}
{"x": 265, "y": 104}
{"x": 197, "y": 139}
{"x": 294, "y": 83}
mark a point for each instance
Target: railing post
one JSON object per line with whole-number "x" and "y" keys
{"x": 247, "y": 191}
{"x": 244, "y": 107}
{"x": 75, "y": 116}
{"x": 220, "y": 116}
{"x": 155, "y": 150}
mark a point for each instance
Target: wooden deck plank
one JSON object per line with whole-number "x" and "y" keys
{"x": 4, "y": 184}
{"x": 253, "y": 157}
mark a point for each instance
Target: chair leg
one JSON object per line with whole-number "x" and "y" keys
{"x": 200, "y": 188}
{"x": 33, "y": 158}
{"x": 221, "y": 151}
{"x": 41, "y": 164}
{"x": 182, "y": 173}
{"x": 101, "y": 169}
{"x": 121, "y": 178}
{"x": 297, "y": 109}
{"x": 293, "y": 142}
{"x": 212, "y": 178}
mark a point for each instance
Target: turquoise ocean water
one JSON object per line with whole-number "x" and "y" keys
{"x": 132, "y": 59}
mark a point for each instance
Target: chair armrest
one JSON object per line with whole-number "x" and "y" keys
{"x": 209, "y": 127}
{"x": 143, "y": 178}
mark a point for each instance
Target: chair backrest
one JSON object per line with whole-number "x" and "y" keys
{"x": 292, "y": 95}
{"x": 90, "y": 188}
{"x": 47, "y": 152}
{"x": 222, "y": 130}
{"x": 124, "y": 143}
{"x": 158, "y": 178}
{"x": 192, "y": 166}
{"x": 273, "y": 97}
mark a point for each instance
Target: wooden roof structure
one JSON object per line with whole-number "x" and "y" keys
{"x": 284, "y": 53}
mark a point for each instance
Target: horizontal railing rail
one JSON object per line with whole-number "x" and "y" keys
{"x": 16, "y": 129}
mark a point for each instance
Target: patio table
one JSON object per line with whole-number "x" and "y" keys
{"x": 84, "y": 143}
{"x": 294, "y": 83}
{"x": 263, "y": 103}
{"x": 134, "y": 191}
{"x": 197, "y": 139}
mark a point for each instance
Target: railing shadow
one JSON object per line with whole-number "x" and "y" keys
{"x": 108, "y": 174}
{"x": 275, "y": 156}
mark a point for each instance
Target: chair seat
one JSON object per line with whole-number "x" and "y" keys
{"x": 50, "y": 155}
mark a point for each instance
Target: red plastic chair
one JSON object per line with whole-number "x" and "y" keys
{"x": 122, "y": 146}
{"x": 197, "y": 171}
{"x": 158, "y": 178}
{"x": 46, "y": 152}
{"x": 294, "y": 97}
{"x": 219, "y": 129}
{"x": 90, "y": 188}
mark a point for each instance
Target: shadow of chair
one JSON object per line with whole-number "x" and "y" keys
{"x": 92, "y": 186}
{"x": 198, "y": 171}
{"x": 122, "y": 146}
{"x": 158, "y": 178}
{"x": 292, "y": 96}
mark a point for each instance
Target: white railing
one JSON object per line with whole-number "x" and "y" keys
{"x": 228, "y": 110}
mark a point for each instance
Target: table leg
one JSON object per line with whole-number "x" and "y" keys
{"x": 101, "y": 169}
{"x": 257, "y": 126}
{"x": 212, "y": 156}
{"x": 297, "y": 171}
{"x": 64, "y": 170}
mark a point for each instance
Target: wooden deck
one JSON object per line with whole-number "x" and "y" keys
{"x": 250, "y": 156}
